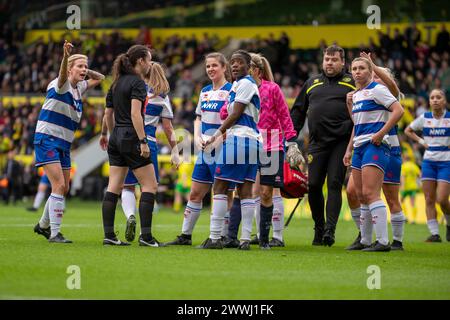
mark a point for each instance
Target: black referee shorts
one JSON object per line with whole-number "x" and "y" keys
{"x": 124, "y": 149}
{"x": 271, "y": 168}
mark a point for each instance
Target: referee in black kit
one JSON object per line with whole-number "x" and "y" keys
{"x": 128, "y": 146}
{"x": 323, "y": 101}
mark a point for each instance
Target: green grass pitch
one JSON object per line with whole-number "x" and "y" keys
{"x": 31, "y": 268}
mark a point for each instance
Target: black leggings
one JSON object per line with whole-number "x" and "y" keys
{"x": 326, "y": 162}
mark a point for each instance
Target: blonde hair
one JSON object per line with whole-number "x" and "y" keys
{"x": 262, "y": 64}
{"x": 71, "y": 60}
{"x": 223, "y": 62}
{"x": 367, "y": 62}
{"x": 157, "y": 80}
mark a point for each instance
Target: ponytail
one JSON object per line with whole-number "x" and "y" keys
{"x": 125, "y": 62}
{"x": 121, "y": 66}
{"x": 157, "y": 80}
{"x": 263, "y": 65}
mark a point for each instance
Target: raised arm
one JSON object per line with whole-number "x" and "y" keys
{"x": 95, "y": 78}
{"x": 63, "y": 73}
{"x": 383, "y": 75}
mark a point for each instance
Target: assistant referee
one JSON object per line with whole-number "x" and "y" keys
{"x": 323, "y": 100}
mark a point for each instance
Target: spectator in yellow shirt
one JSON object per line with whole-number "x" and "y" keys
{"x": 409, "y": 185}
{"x": 183, "y": 185}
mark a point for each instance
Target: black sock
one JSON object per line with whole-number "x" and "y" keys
{"x": 109, "y": 213}
{"x": 265, "y": 223}
{"x": 146, "y": 214}
{"x": 235, "y": 218}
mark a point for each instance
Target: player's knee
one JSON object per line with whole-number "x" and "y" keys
{"x": 368, "y": 196}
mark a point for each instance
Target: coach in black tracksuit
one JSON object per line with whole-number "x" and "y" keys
{"x": 323, "y": 101}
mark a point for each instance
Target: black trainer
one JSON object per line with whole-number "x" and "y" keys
{"x": 114, "y": 242}
{"x": 211, "y": 244}
{"x": 150, "y": 243}
{"x": 32, "y": 209}
{"x": 276, "y": 243}
{"x": 130, "y": 230}
{"x": 318, "y": 237}
{"x": 59, "y": 238}
{"x": 45, "y": 232}
{"x": 434, "y": 238}
{"x": 181, "y": 240}
{"x": 255, "y": 240}
{"x": 357, "y": 246}
{"x": 378, "y": 247}
{"x": 244, "y": 245}
{"x": 448, "y": 233}
{"x": 328, "y": 237}
{"x": 264, "y": 245}
{"x": 397, "y": 245}
{"x": 230, "y": 242}
{"x": 357, "y": 240}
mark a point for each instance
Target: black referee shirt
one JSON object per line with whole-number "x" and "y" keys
{"x": 127, "y": 87}
{"x": 323, "y": 100}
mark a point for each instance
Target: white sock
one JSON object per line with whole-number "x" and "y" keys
{"x": 379, "y": 220}
{"x": 257, "y": 214}
{"x": 433, "y": 226}
{"x": 278, "y": 217}
{"x": 226, "y": 221}
{"x": 45, "y": 219}
{"x": 366, "y": 225}
{"x": 191, "y": 214}
{"x": 356, "y": 214}
{"x": 38, "y": 199}
{"x": 128, "y": 202}
{"x": 248, "y": 210}
{"x": 397, "y": 223}
{"x": 219, "y": 210}
{"x": 56, "y": 212}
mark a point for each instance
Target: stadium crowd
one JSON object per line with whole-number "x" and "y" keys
{"x": 417, "y": 66}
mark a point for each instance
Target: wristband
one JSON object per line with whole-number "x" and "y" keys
{"x": 421, "y": 141}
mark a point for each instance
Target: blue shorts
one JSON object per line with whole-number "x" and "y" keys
{"x": 204, "y": 168}
{"x": 371, "y": 155}
{"x": 436, "y": 170}
{"x": 238, "y": 160}
{"x": 44, "y": 180}
{"x": 131, "y": 180}
{"x": 393, "y": 169}
{"x": 46, "y": 152}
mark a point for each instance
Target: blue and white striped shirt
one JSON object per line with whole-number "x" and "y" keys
{"x": 60, "y": 114}
{"x": 245, "y": 91}
{"x": 157, "y": 107}
{"x": 208, "y": 108}
{"x": 436, "y": 133}
{"x": 371, "y": 107}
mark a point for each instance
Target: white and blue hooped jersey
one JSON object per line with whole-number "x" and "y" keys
{"x": 60, "y": 114}
{"x": 394, "y": 142}
{"x": 208, "y": 108}
{"x": 436, "y": 133}
{"x": 245, "y": 90}
{"x": 371, "y": 107}
{"x": 157, "y": 107}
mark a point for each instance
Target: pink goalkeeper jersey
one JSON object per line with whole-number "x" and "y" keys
{"x": 274, "y": 118}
